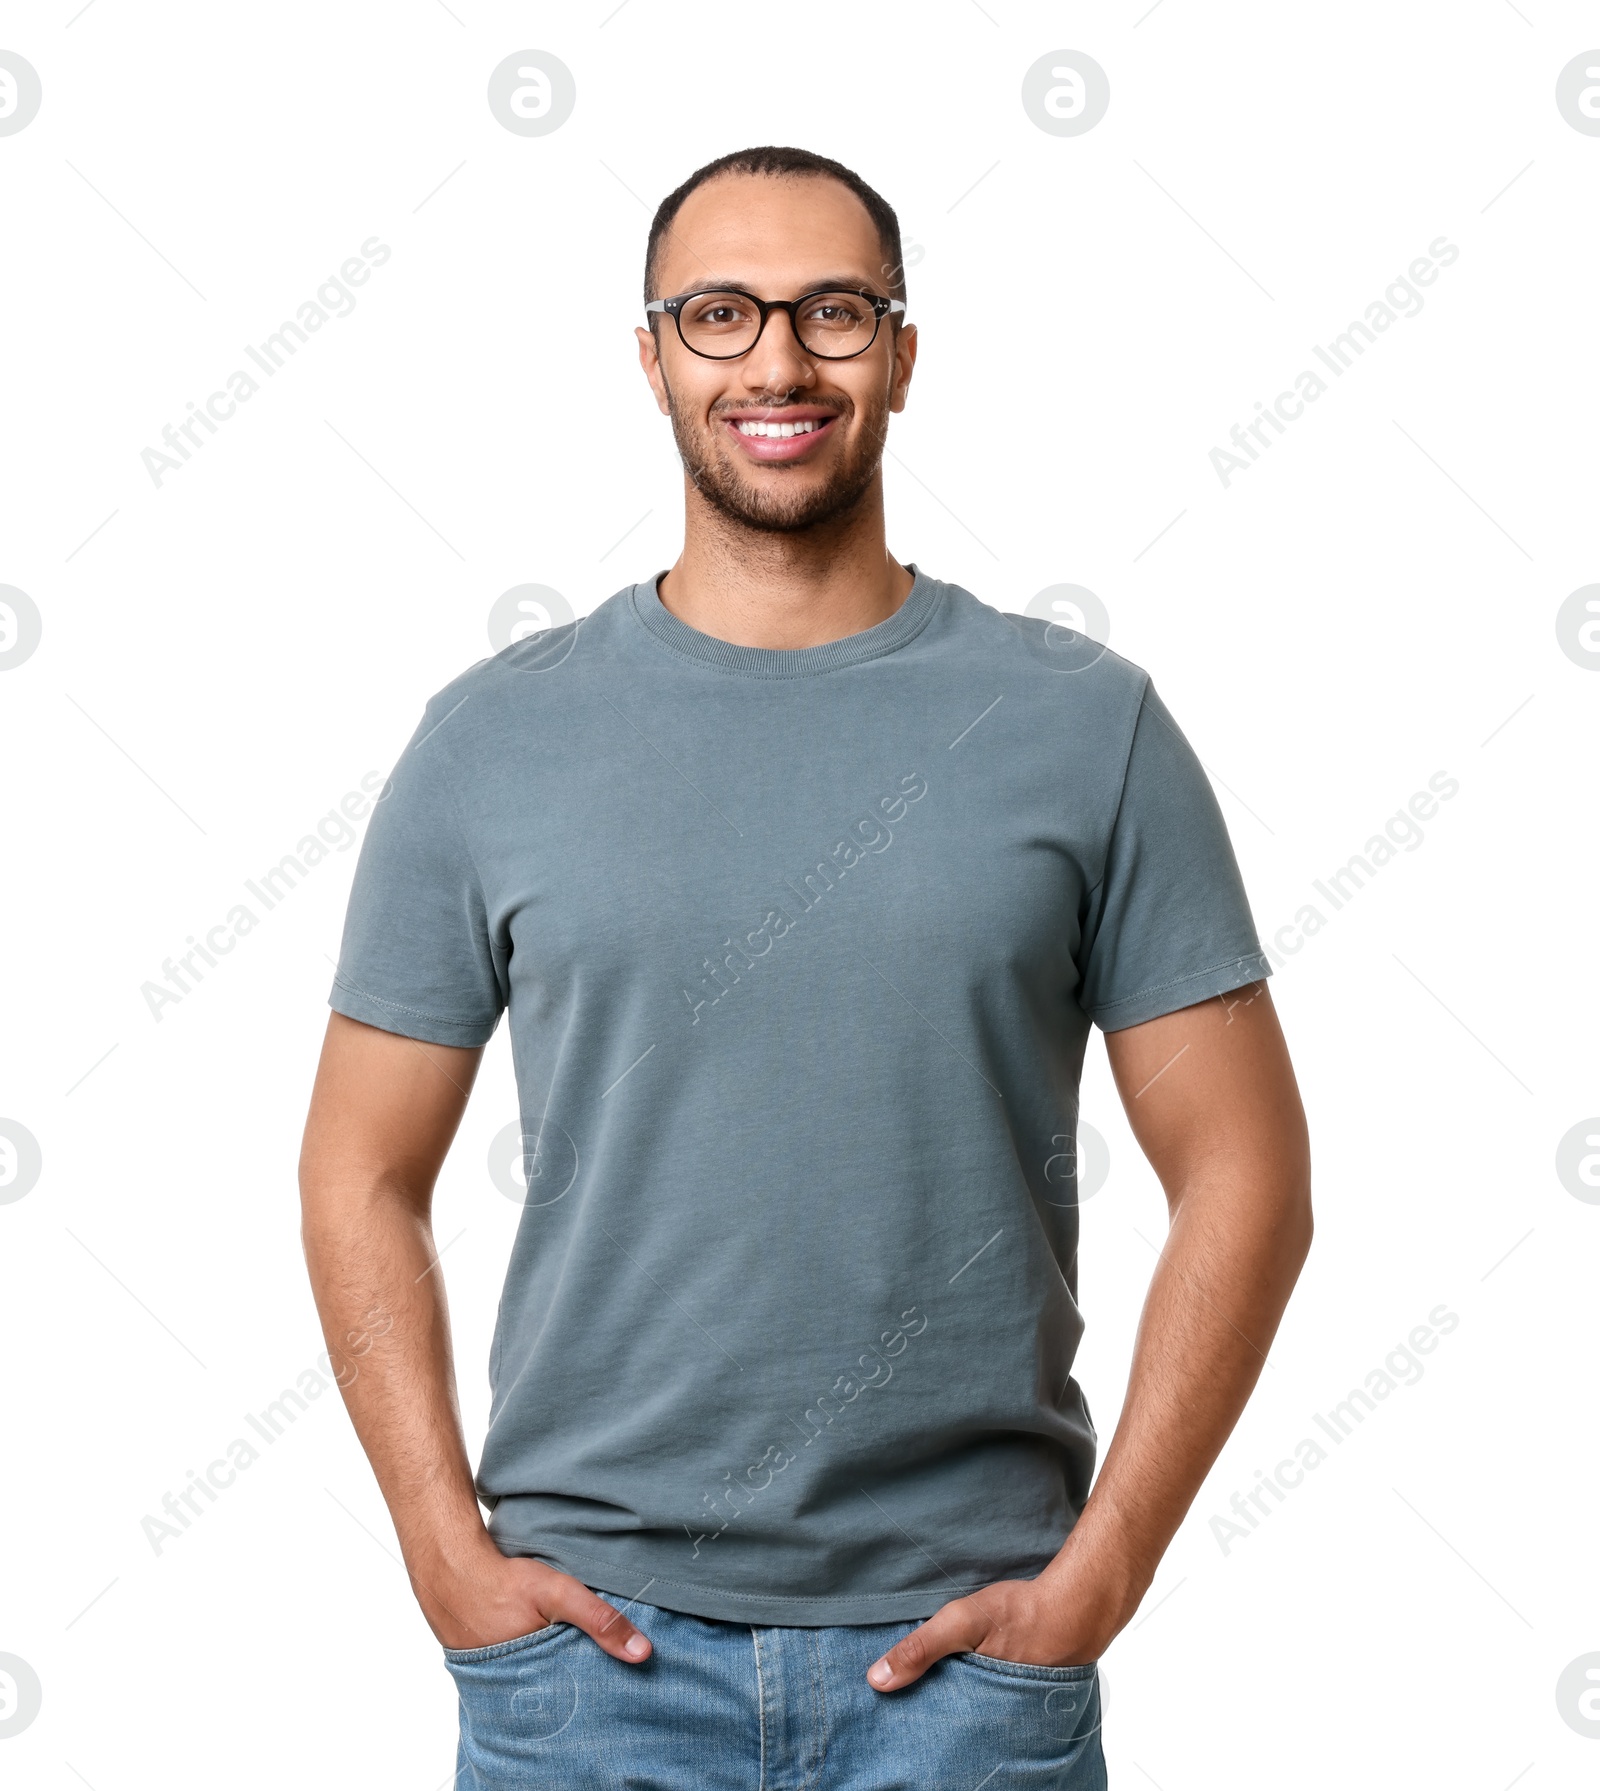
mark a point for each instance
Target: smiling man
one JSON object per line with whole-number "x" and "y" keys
{"x": 803, "y": 878}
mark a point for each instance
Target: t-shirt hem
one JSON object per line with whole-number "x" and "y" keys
{"x": 1182, "y": 991}
{"x": 767, "y": 1609}
{"x": 409, "y": 1022}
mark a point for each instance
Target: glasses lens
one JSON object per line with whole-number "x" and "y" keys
{"x": 719, "y": 323}
{"x": 836, "y": 325}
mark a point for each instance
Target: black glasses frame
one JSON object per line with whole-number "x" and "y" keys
{"x": 881, "y": 308}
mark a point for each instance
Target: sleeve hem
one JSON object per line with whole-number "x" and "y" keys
{"x": 409, "y": 1022}
{"x": 1182, "y": 991}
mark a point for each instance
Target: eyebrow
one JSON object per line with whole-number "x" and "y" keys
{"x": 825, "y": 283}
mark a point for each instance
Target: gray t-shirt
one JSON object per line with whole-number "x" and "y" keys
{"x": 801, "y": 949}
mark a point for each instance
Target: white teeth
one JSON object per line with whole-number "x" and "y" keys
{"x": 780, "y": 430}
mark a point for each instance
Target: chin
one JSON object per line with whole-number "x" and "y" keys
{"x": 788, "y": 500}
{"x": 785, "y": 514}
{"x": 787, "y": 505}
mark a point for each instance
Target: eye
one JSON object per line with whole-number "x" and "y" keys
{"x": 717, "y": 311}
{"x": 838, "y": 311}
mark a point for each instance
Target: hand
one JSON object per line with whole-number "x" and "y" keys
{"x": 495, "y": 1597}
{"x": 1043, "y": 1622}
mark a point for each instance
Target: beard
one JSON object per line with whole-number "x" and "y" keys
{"x": 771, "y": 508}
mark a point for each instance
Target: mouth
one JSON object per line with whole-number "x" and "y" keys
{"x": 789, "y": 432}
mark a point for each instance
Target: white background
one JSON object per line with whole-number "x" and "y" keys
{"x": 224, "y": 656}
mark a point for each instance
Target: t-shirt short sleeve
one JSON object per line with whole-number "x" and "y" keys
{"x": 1169, "y": 923}
{"x": 417, "y": 957}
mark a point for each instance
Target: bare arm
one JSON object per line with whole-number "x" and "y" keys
{"x": 384, "y": 1110}
{"x": 1212, "y": 1100}
{"x": 1222, "y": 1126}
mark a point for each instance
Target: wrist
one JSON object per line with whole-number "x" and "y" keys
{"x": 463, "y": 1589}
{"x": 461, "y": 1551}
{"x": 1100, "y": 1576}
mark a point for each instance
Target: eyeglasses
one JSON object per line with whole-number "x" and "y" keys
{"x": 723, "y": 323}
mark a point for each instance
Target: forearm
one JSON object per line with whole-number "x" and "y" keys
{"x": 381, "y": 1298}
{"x": 1232, "y": 1256}
{"x": 383, "y": 1112}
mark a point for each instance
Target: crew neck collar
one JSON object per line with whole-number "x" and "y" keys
{"x": 883, "y": 637}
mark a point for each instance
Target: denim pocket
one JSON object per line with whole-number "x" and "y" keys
{"x": 516, "y": 1698}
{"x": 1022, "y": 1669}
{"x": 515, "y": 1645}
{"x": 1059, "y": 1707}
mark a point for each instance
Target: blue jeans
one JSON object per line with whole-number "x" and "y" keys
{"x": 730, "y": 1707}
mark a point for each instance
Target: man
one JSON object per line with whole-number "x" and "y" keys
{"x": 803, "y": 876}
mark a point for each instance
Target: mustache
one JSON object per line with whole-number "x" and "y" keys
{"x": 726, "y": 407}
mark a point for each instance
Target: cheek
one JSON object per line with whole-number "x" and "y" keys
{"x": 693, "y": 386}
{"x": 872, "y": 400}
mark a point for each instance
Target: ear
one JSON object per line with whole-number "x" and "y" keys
{"x": 905, "y": 358}
{"x": 650, "y": 361}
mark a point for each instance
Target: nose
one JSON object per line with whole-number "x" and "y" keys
{"x": 778, "y": 362}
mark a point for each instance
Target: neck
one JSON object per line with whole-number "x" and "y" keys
{"x": 758, "y": 588}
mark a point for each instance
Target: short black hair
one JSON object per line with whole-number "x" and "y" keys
{"x": 780, "y": 163}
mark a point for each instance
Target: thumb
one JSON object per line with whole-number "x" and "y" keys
{"x": 952, "y": 1629}
{"x": 574, "y": 1603}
